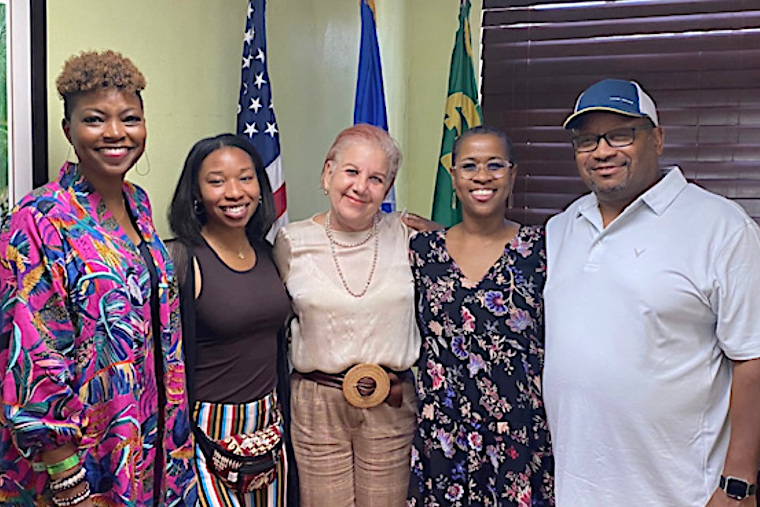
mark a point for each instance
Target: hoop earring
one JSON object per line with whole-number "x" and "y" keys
{"x": 147, "y": 171}
{"x": 198, "y": 207}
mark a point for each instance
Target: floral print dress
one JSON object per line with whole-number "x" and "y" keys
{"x": 78, "y": 361}
{"x": 482, "y": 437}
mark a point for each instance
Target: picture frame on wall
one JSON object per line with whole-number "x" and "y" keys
{"x": 23, "y": 114}
{"x": 15, "y": 102}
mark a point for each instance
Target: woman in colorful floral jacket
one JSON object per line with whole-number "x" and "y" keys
{"x": 92, "y": 378}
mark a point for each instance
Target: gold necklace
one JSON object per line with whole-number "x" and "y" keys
{"x": 334, "y": 243}
{"x": 241, "y": 253}
{"x": 121, "y": 215}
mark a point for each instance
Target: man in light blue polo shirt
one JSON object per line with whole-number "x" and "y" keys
{"x": 652, "y": 376}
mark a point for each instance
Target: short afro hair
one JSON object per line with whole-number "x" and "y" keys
{"x": 94, "y": 70}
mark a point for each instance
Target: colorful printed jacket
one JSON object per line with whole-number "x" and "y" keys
{"x": 77, "y": 362}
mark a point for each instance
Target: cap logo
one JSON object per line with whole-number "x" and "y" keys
{"x": 622, "y": 99}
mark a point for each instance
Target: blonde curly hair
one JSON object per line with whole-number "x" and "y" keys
{"x": 94, "y": 70}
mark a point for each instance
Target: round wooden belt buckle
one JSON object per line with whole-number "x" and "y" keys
{"x": 351, "y": 385}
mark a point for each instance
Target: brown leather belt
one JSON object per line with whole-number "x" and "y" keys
{"x": 365, "y": 386}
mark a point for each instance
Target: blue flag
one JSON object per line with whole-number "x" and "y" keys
{"x": 369, "y": 105}
{"x": 255, "y": 118}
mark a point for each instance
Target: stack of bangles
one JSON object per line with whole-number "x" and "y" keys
{"x": 68, "y": 483}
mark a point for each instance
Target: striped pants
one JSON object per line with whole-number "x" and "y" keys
{"x": 218, "y": 420}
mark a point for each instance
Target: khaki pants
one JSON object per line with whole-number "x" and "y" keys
{"x": 348, "y": 456}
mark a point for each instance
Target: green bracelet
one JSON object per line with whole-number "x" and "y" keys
{"x": 63, "y": 466}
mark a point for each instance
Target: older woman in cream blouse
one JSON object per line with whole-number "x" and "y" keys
{"x": 354, "y": 337}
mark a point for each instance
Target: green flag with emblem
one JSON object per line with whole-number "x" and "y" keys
{"x": 462, "y": 112}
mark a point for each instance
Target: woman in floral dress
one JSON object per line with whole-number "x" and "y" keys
{"x": 482, "y": 437}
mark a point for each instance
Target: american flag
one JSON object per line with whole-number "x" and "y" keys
{"x": 255, "y": 117}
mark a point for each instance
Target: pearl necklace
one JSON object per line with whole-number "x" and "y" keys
{"x": 364, "y": 241}
{"x": 334, "y": 243}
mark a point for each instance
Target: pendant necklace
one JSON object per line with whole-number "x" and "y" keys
{"x": 240, "y": 253}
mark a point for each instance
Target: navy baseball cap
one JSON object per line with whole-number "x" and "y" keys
{"x": 614, "y": 96}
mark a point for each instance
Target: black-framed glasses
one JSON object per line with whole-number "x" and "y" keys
{"x": 494, "y": 168}
{"x": 617, "y": 138}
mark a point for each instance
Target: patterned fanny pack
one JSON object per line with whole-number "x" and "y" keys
{"x": 247, "y": 462}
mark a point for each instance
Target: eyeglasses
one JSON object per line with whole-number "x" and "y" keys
{"x": 618, "y": 138}
{"x": 494, "y": 168}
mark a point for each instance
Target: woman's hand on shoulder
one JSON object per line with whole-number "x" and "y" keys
{"x": 281, "y": 252}
{"x": 418, "y": 223}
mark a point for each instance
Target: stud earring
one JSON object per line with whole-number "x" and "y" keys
{"x": 325, "y": 191}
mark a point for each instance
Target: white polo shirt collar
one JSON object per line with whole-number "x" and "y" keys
{"x": 658, "y": 198}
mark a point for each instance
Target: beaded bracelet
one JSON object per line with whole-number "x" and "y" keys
{"x": 68, "y": 482}
{"x": 63, "y": 466}
{"x": 73, "y": 500}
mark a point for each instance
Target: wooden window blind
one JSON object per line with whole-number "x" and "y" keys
{"x": 699, "y": 59}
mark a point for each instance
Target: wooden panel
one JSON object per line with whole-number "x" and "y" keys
{"x": 631, "y": 24}
{"x": 752, "y": 206}
{"x": 567, "y": 183}
{"x": 707, "y": 132}
{"x": 536, "y": 200}
{"x": 733, "y": 189}
{"x": 534, "y": 216}
{"x": 615, "y": 11}
{"x": 662, "y": 72}
{"x": 503, "y": 67}
{"x": 700, "y": 60}
{"x": 674, "y": 6}
{"x": 566, "y": 46}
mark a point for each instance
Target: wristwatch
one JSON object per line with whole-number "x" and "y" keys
{"x": 736, "y": 488}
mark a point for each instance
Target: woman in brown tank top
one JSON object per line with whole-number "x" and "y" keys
{"x": 234, "y": 307}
